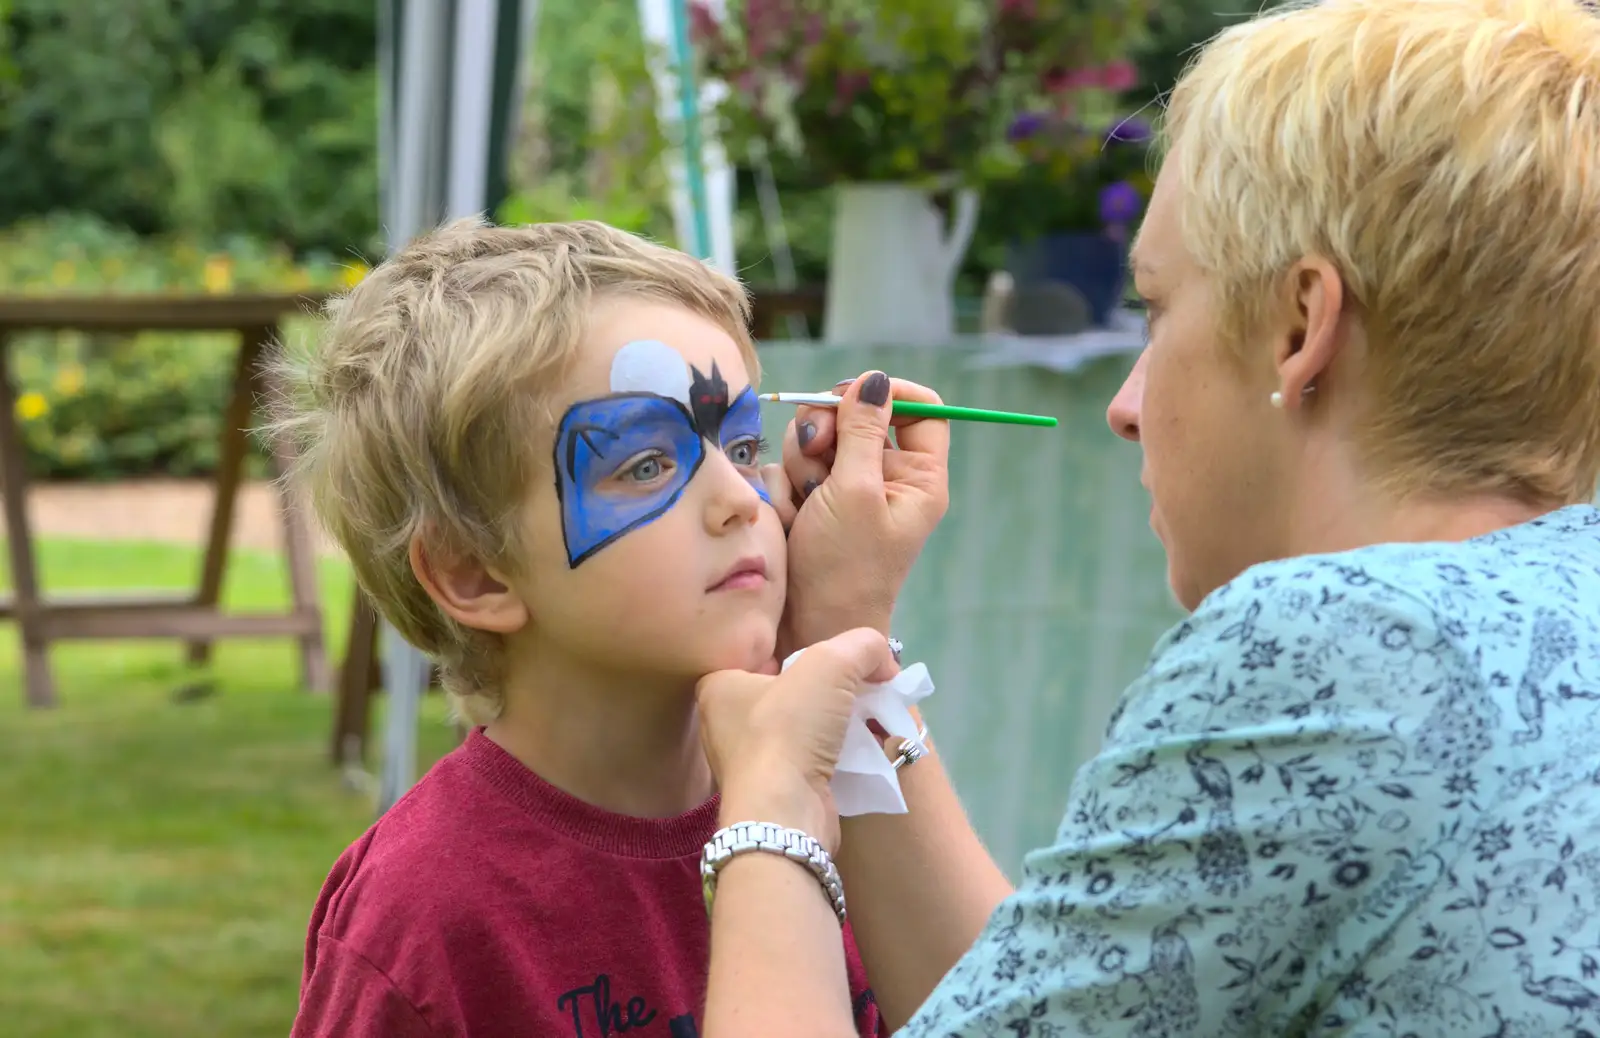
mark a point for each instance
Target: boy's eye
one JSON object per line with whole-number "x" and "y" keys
{"x": 746, "y": 452}
{"x": 644, "y": 470}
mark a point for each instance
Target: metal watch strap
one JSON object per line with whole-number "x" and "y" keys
{"x": 744, "y": 837}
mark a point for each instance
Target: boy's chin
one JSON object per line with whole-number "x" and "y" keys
{"x": 745, "y": 650}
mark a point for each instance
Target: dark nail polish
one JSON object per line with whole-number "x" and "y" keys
{"x": 811, "y": 485}
{"x": 843, "y": 382}
{"x": 875, "y": 389}
{"x": 805, "y": 433}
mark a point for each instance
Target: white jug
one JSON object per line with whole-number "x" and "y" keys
{"x": 892, "y": 267}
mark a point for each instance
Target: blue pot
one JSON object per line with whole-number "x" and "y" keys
{"x": 1094, "y": 264}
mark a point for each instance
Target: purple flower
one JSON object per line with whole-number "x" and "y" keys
{"x": 1026, "y": 125}
{"x": 1120, "y": 204}
{"x": 1132, "y": 130}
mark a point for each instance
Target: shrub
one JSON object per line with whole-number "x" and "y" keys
{"x": 96, "y": 406}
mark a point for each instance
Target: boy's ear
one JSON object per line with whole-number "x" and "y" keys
{"x": 469, "y": 592}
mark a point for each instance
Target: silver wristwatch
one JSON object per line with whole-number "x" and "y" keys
{"x": 743, "y": 837}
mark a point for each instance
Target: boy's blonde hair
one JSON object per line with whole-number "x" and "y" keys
{"x": 422, "y": 409}
{"x": 1443, "y": 155}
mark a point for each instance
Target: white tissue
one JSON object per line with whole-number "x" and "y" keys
{"x": 865, "y": 781}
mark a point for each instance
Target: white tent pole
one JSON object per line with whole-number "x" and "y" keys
{"x": 422, "y": 88}
{"x": 442, "y": 176}
{"x": 471, "y": 105}
{"x": 414, "y": 206}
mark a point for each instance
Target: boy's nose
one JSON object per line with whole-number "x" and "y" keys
{"x": 733, "y": 501}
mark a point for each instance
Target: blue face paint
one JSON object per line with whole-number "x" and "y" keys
{"x": 624, "y": 460}
{"x": 741, "y": 435}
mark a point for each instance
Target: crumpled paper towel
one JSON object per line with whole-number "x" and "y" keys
{"x": 865, "y": 781}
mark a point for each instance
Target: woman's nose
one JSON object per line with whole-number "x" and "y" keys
{"x": 1123, "y": 413}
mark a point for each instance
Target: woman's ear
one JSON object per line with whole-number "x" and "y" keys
{"x": 1315, "y": 331}
{"x": 469, "y": 592}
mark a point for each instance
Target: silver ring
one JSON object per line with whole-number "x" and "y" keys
{"x": 896, "y": 647}
{"x": 912, "y": 750}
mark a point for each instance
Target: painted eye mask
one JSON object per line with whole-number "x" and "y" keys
{"x": 624, "y": 460}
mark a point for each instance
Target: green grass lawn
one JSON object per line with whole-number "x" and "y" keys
{"x": 159, "y": 858}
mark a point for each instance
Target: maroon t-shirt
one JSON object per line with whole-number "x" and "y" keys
{"x": 488, "y": 903}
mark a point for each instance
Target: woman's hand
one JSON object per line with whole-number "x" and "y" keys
{"x": 773, "y": 742}
{"x": 862, "y": 505}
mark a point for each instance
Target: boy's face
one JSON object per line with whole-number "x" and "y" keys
{"x": 653, "y": 547}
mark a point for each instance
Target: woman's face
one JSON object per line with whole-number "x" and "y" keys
{"x": 1215, "y": 450}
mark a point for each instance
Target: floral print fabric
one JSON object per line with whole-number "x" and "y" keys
{"x": 1353, "y": 794}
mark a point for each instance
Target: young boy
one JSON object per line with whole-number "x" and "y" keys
{"x": 539, "y": 448}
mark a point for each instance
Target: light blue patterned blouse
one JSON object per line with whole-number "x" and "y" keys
{"x": 1353, "y": 794}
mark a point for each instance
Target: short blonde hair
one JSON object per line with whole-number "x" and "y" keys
{"x": 419, "y": 411}
{"x": 1443, "y": 155}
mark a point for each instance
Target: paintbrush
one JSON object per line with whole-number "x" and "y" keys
{"x": 916, "y": 409}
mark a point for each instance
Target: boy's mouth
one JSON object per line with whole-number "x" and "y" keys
{"x": 749, "y": 572}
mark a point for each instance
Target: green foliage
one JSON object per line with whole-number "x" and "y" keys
{"x": 555, "y": 199}
{"x": 592, "y": 147}
{"x": 898, "y": 89}
{"x": 8, "y": 68}
{"x": 1177, "y": 29}
{"x": 253, "y": 117}
{"x": 103, "y": 406}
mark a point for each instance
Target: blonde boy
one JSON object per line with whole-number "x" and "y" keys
{"x": 539, "y": 448}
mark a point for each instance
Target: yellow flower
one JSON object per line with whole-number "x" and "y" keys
{"x": 218, "y": 275}
{"x": 63, "y": 273}
{"x": 69, "y": 379}
{"x": 31, "y": 405}
{"x": 351, "y": 275}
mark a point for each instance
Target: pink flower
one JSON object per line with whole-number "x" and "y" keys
{"x": 816, "y": 29}
{"x": 1119, "y": 76}
{"x": 1116, "y": 77}
{"x": 703, "y": 26}
{"x": 845, "y": 88}
{"x": 1061, "y": 80}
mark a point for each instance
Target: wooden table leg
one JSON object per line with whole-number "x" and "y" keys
{"x": 235, "y": 444}
{"x": 358, "y": 677}
{"x": 300, "y": 553}
{"x": 38, "y": 685}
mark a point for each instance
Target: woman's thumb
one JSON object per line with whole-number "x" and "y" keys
{"x": 861, "y": 429}
{"x": 846, "y": 661}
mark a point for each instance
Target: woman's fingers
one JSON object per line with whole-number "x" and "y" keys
{"x": 803, "y": 471}
{"x": 921, "y": 435}
{"x": 814, "y": 428}
{"x": 781, "y": 492}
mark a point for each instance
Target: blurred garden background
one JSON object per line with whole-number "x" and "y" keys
{"x": 165, "y": 828}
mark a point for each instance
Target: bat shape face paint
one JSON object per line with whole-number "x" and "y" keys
{"x": 624, "y": 460}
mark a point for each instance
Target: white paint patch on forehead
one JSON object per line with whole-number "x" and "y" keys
{"x": 650, "y": 366}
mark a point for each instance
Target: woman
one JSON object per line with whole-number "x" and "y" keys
{"x": 1356, "y": 791}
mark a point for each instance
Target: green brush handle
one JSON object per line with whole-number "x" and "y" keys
{"x": 913, "y": 409}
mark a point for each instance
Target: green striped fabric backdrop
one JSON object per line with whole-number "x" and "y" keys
{"x": 1040, "y": 596}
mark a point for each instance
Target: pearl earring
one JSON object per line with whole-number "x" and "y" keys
{"x": 1276, "y": 399}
